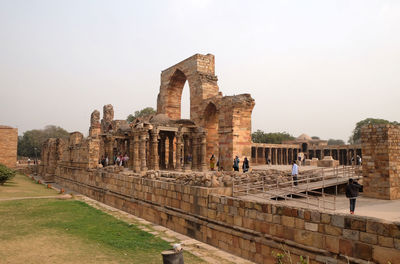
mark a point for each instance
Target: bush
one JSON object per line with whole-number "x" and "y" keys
{"x": 5, "y": 174}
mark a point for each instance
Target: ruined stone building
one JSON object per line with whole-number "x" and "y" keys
{"x": 8, "y": 146}
{"x": 312, "y": 149}
{"x": 219, "y": 125}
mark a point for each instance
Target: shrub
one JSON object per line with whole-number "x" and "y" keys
{"x": 5, "y": 174}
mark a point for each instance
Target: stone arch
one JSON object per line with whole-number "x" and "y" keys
{"x": 211, "y": 124}
{"x": 174, "y": 94}
{"x": 199, "y": 72}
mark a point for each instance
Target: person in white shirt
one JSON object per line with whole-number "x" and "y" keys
{"x": 295, "y": 172}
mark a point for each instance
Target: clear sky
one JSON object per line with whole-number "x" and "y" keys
{"x": 314, "y": 67}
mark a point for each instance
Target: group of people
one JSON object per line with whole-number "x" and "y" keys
{"x": 236, "y": 163}
{"x": 119, "y": 160}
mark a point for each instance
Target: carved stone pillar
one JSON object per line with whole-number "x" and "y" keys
{"x": 171, "y": 151}
{"x": 186, "y": 152}
{"x": 178, "y": 142}
{"x": 203, "y": 152}
{"x": 195, "y": 152}
{"x": 142, "y": 151}
{"x": 131, "y": 151}
{"x": 154, "y": 152}
{"x": 136, "y": 160}
{"x": 162, "y": 151}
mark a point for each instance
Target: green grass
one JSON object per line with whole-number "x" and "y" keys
{"x": 78, "y": 224}
{"x": 23, "y": 186}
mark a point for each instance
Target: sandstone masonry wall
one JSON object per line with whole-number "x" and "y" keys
{"x": 8, "y": 146}
{"x": 381, "y": 161}
{"x": 248, "y": 229}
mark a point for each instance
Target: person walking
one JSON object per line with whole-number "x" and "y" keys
{"x": 295, "y": 172}
{"x": 246, "y": 165}
{"x": 236, "y": 164}
{"x": 352, "y": 189}
{"x": 212, "y": 162}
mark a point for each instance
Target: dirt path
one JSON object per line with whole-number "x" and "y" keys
{"x": 65, "y": 196}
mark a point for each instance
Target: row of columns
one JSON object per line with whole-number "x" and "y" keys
{"x": 160, "y": 150}
{"x": 275, "y": 156}
{"x": 285, "y": 156}
{"x": 344, "y": 156}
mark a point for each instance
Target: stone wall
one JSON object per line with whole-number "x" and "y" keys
{"x": 8, "y": 146}
{"x": 52, "y": 151}
{"x": 381, "y": 161}
{"x": 248, "y": 229}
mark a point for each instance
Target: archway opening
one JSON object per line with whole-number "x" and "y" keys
{"x": 304, "y": 147}
{"x": 185, "y": 102}
{"x": 211, "y": 124}
{"x": 177, "y": 91}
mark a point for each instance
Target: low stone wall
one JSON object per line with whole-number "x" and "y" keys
{"x": 251, "y": 230}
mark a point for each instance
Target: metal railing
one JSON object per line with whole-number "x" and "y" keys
{"x": 277, "y": 187}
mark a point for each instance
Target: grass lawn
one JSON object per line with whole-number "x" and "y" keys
{"x": 68, "y": 231}
{"x": 23, "y": 186}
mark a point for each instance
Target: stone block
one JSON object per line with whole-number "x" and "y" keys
{"x": 337, "y": 220}
{"x": 299, "y": 223}
{"x": 311, "y": 226}
{"x": 351, "y": 234}
{"x": 385, "y": 241}
{"x": 287, "y": 221}
{"x": 325, "y": 218}
{"x": 332, "y": 244}
{"x": 374, "y": 227}
{"x": 363, "y": 251}
{"x": 368, "y": 238}
{"x": 346, "y": 247}
{"x": 385, "y": 255}
{"x": 332, "y": 230}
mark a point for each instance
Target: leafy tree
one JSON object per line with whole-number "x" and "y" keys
{"x": 355, "y": 138}
{"x": 273, "y": 138}
{"x": 30, "y": 144}
{"x": 335, "y": 142}
{"x": 5, "y": 174}
{"x": 315, "y": 137}
{"x": 144, "y": 112}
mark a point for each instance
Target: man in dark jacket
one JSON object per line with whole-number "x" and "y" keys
{"x": 352, "y": 189}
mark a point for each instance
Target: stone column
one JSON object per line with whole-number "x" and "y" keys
{"x": 142, "y": 151}
{"x": 162, "y": 151}
{"x": 256, "y": 155}
{"x": 171, "y": 152}
{"x": 136, "y": 160}
{"x": 178, "y": 157}
{"x": 287, "y": 156}
{"x": 276, "y": 156}
{"x": 130, "y": 155}
{"x": 186, "y": 153}
{"x": 203, "y": 152}
{"x": 154, "y": 149}
{"x": 195, "y": 157}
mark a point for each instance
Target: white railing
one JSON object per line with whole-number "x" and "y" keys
{"x": 308, "y": 183}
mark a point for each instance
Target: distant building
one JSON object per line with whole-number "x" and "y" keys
{"x": 8, "y": 146}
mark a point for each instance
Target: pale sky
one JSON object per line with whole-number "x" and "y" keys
{"x": 314, "y": 67}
